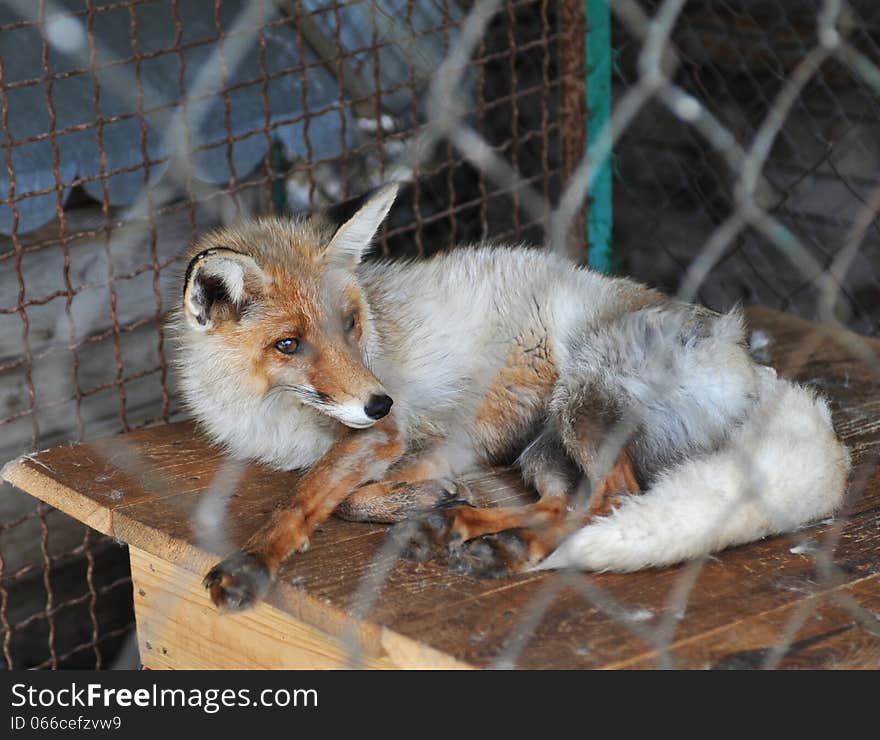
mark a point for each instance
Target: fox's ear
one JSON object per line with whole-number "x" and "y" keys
{"x": 219, "y": 285}
{"x": 352, "y": 239}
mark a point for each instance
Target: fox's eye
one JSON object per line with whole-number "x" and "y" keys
{"x": 350, "y": 322}
{"x": 287, "y": 346}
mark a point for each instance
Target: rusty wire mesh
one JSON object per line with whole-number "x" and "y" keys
{"x": 87, "y": 276}
{"x": 733, "y": 121}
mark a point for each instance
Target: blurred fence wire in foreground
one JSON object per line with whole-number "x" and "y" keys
{"x": 743, "y": 140}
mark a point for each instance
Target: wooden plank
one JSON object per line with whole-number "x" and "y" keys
{"x": 91, "y": 480}
{"x": 318, "y": 586}
{"x": 420, "y": 614}
{"x": 178, "y": 629}
{"x": 574, "y": 632}
{"x": 826, "y": 634}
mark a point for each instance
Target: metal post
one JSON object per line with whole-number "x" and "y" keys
{"x": 598, "y": 83}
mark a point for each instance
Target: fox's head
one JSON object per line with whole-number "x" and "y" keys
{"x": 272, "y": 309}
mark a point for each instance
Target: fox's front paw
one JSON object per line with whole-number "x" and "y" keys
{"x": 238, "y": 581}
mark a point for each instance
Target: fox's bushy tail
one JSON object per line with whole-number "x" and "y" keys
{"x": 781, "y": 469}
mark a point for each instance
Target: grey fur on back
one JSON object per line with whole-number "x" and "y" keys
{"x": 674, "y": 378}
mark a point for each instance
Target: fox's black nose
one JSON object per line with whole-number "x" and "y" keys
{"x": 378, "y": 406}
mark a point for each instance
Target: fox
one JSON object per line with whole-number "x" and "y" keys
{"x": 645, "y": 430}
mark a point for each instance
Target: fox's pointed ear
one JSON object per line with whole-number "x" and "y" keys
{"x": 352, "y": 239}
{"x": 219, "y": 285}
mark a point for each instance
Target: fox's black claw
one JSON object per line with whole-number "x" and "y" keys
{"x": 238, "y": 581}
{"x": 439, "y": 494}
{"x": 452, "y": 501}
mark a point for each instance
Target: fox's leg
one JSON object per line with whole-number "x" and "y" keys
{"x": 420, "y": 483}
{"x": 518, "y": 549}
{"x": 447, "y": 528}
{"x": 527, "y": 541}
{"x": 355, "y": 457}
{"x": 545, "y": 464}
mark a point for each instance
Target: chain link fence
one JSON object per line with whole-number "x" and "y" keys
{"x": 744, "y": 144}
{"x": 736, "y": 58}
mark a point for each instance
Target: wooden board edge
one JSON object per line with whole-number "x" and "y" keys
{"x": 376, "y": 640}
{"x": 28, "y": 474}
{"x": 196, "y": 561}
{"x": 177, "y": 628}
{"x": 407, "y": 654}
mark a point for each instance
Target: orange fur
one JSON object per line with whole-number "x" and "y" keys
{"x": 518, "y": 392}
{"x": 323, "y": 487}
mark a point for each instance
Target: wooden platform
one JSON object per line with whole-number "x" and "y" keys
{"x": 158, "y": 489}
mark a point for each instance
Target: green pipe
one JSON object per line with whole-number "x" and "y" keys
{"x": 598, "y": 67}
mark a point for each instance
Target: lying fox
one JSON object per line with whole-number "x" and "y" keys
{"x": 648, "y": 433}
